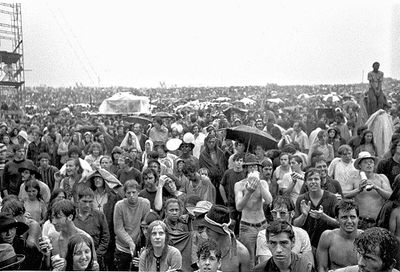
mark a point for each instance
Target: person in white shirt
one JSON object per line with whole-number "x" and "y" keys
{"x": 341, "y": 168}
{"x": 282, "y": 208}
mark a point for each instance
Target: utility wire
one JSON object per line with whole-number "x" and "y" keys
{"x": 70, "y": 44}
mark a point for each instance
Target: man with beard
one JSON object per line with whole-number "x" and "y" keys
{"x": 94, "y": 223}
{"x": 150, "y": 180}
{"x": 128, "y": 215}
{"x": 335, "y": 247}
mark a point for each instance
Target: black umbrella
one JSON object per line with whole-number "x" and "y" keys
{"x": 137, "y": 119}
{"x": 163, "y": 114}
{"x": 228, "y": 112}
{"x": 251, "y": 136}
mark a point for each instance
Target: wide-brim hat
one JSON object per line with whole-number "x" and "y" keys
{"x": 201, "y": 207}
{"x": 362, "y": 156}
{"x": 187, "y": 139}
{"x": 8, "y": 258}
{"x": 23, "y": 134}
{"x": 31, "y": 167}
{"x": 173, "y": 144}
{"x": 251, "y": 159}
{"x": 7, "y": 222}
{"x": 217, "y": 219}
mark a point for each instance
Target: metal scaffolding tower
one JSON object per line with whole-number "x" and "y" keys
{"x": 12, "y": 76}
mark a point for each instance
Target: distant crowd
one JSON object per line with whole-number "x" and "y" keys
{"x": 308, "y": 183}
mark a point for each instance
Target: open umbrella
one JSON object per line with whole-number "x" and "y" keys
{"x": 251, "y": 136}
{"x": 229, "y": 111}
{"x": 163, "y": 114}
{"x": 332, "y": 97}
{"x": 247, "y": 101}
{"x": 137, "y": 119}
{"x": 222, "y": 99}
{"x": 275, "y": 100}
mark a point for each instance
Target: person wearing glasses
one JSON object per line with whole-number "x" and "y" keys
{"x": 282, "y": 208}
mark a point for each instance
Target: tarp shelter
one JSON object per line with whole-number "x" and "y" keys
{"x": 125, "y": 103}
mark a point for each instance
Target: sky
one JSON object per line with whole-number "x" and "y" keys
{"x": 208, "y": 43}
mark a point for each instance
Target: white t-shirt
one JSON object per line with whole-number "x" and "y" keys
{"x": 341, "y": 171}
{"x": 301, "y": 242}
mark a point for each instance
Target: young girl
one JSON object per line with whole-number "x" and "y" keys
{"x": 79, "y": 254}
{"x": 35, "y": 205}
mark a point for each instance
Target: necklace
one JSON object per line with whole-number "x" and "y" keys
{"x": 100, "y": 202}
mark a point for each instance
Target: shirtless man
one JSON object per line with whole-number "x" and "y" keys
{"x": 377, "y": 252}
{"x": 235, "y": 256}
{"x": 370, "y": 190}
{"x": 335, "y": 247}
{"x": 250, "y": 193}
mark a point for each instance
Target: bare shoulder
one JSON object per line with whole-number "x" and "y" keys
{"x": 328, "y": 235}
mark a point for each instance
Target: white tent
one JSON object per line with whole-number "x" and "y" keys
{"x": 247, "y": 101}
{"x": 275, "y": 100}
{"x": 125, "y": 103}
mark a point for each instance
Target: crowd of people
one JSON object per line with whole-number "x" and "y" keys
{"x": 176, "y": 193}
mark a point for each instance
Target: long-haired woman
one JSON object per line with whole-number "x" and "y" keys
{"x": 158, "y": 255}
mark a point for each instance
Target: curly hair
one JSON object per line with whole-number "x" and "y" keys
{"x": 376, "y": 238}
{"x": 206, "y": 247}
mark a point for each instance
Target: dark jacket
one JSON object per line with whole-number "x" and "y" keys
{"x": 298, "y": 264}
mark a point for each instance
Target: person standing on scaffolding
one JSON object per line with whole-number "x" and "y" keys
{"x": 375, "y": 99}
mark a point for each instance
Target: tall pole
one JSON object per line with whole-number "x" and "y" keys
{"x": 362, "y": 77}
